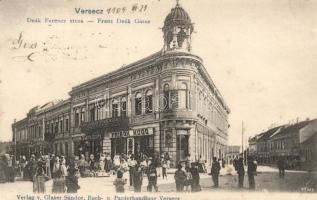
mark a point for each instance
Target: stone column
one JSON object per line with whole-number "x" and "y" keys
{"x": 156, "y": 139}
{"x": 173, "y": 150}
{"x": 192, "y": 144}
{"x": 129, "y": 102}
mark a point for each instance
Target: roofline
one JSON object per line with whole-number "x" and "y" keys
{"x": 153, "y": 58}
{"x": 149, "y": 58}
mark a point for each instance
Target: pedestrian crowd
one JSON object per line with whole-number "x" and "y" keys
{"x": 65, "y": 171}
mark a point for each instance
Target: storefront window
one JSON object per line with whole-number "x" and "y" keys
{"x": 182, "y": 144}
{"x": 118, "y": 146}
{"x": 168, "y": 138}
{"x": 148, "y": 102}
{"x": 138, "y": 104}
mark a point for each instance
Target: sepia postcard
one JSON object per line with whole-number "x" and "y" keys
{"x": 158, "y": 99}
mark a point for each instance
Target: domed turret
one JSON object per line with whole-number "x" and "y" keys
{"x": 177, "y": 30}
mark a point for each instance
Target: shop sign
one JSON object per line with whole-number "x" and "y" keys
{"x": 142, "y": 132}
{"x": 131, "y": 133}
{"x": 119, "y": 134}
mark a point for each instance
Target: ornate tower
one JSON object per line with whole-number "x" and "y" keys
{"x": 177, "y": 30}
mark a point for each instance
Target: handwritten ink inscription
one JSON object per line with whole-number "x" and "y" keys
{"x": 51, "y": 49}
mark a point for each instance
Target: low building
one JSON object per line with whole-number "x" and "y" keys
{"x": 308, "y": 146}
{"x": 290, "y": 142}
{"x": 232, "y": 153}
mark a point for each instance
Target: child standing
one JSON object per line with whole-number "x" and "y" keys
{"x": 119, "y": 182}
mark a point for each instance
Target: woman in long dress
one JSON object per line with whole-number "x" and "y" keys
{"x": 58, "y": 177}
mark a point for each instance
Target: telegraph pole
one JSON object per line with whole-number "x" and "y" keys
{"x": 242, "y": 139}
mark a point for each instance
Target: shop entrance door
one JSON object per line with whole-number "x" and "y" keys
{"x": 182, "y": 147}
{"x": 130, "y": 145}
{"x": 144, "y": 145}
{"x": 118, "y": 146}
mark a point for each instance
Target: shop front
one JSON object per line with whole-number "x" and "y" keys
{"x": 92, "y": 145}
{"x": 134, "y": 141}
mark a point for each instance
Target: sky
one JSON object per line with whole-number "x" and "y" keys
{"x": 261, "y": 54}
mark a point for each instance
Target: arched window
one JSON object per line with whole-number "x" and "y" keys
{"x": 138, "y": 104}
{"x": 82, "y": 117}
{"x": 181, "y": 36}
{"x": 123, "y": 107}
{"x": 115, "y": 108}
{"x": 148, "y": 102}
{"x": 166, "y": 98}
{"x": 182, "y": 96}
{"x": 77, "y": 118}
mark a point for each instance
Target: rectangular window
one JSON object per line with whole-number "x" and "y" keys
{"x": 182, "y": 99}
{"x": 67, "y": 125}
{"x": 92, "y": 114}
{"x": 61, "y": 126}
{"x": 82, "y": 117}
{"x": 76, "y": 119}
{"x": 56, "y": 127}
{"x": 115, "y": 110}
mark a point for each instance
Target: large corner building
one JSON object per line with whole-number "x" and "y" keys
{"x": 166, "y": 102}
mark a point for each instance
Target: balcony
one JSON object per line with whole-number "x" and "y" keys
{"x": 105, "y": 124}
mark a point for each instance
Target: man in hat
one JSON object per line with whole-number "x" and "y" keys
{"x": 240, "y": 170}
{"x": 215, "y": 170}
{"x": 251, "y": 172}
{"x": 32, "y": 167}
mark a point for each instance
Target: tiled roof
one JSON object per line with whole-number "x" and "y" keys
{"x": 292, "y": 128}
{"x": 268, "y": 133}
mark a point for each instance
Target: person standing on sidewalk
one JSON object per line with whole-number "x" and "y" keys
{"x": 131, "y": 164}
{"x": 215, "y": 170}
{"x": 164, "y": 167}
{"x": 137, "y": 177}
{"x": 281, "y": 167}
{"x": 180, "y": 177}
{"x": 251, "y": 172}
{"x": 152, "y": 176}
{"x": 195, "y": 186}
{"x": 240, "y": 170}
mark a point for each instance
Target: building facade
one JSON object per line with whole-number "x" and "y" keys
{"x": 288, "y": 141}
{"x": 166, "y": 102}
